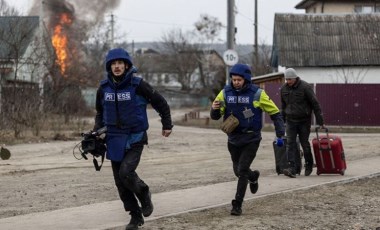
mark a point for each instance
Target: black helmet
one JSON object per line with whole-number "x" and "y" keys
{"x": 117, "y": 54}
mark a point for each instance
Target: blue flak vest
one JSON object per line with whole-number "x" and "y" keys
{"x": 238, "y": 102}
{"x": 123, "y": 110}
{"x": 124, "y": 113}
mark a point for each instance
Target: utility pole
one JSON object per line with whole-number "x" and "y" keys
{"x": 230, "y": 24}
{"x": 133, "y": 47}
{"x": 1, "y": 87}
{"x": 41, "y": 52}
{"x": 231, "y": 30}
{"x": 112, "y": 31}
{"x": 256, "y": 61}
{"x": 41, "y": 21}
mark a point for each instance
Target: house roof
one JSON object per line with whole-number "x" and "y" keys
{"x": 326, "y": 40}
{"x": 304, "y": 4}
{"x": 277, "y": 77}
{"x": 16, "y": 33}
{"x": 146, "y": 51}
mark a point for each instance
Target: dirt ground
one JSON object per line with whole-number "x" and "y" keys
{"x": 46, "y": 176}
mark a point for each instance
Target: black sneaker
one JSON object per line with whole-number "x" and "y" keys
{"x": 254, "y": 184}
{"x": 146, "y": 203}
{"x": 136, "y": 221}
{"x": 308, "y": 170}
{"x": 236, "y": 208}
{"x": 289, "y": 172}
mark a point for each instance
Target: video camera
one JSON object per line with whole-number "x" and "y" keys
{"x": 93, "y": 144}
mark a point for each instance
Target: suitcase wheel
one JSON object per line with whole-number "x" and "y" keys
{"x": 318, "y": 173}
{"x": 342, "y": 173}
{"x": 278, "y": 170}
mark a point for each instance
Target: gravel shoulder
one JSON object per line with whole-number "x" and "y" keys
{"x": 46, "y": 176}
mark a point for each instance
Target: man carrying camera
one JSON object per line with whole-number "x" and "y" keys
{"x": 121, "y": 102}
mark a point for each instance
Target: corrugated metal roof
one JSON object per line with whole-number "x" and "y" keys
{"x": 16, "y": 33}
{"x": 305, "y": 4}
{"x": 308, "y": 3}
{"x": 326, "y": 40}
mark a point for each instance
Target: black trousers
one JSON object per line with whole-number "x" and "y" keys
{"x": 242, "y": 158}
{"x": 302, "y": 129}
{"x": 128, "y": 183}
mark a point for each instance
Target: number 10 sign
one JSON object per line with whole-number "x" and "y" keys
{"x": 230, "y": 57}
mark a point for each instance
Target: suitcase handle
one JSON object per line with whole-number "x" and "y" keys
{"x": 318, "y": 128}
{"x": 328, "y": 144}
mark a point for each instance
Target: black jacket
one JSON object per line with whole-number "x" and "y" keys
{"x": 298, "y": 102}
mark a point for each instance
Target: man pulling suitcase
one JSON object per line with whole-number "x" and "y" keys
{"x": 298, "y": 101}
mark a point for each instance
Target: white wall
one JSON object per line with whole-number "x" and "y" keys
{"x": 369, "y": 75}
{"x": 331, "y": 8}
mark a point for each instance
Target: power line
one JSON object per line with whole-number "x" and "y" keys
{"x": 252, "y": 21}
{"x": 153, "y": 22}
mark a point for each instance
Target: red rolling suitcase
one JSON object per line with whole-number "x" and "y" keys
{"x": 329, "y": 154}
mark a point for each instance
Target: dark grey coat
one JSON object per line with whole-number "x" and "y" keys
{"x": 299, "y": 101}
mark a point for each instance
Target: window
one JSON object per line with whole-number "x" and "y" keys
{"x": 366, "y": 9}
{"x": 167, "y": 78}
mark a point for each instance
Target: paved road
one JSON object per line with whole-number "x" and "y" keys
{"x": 110, "y": 215}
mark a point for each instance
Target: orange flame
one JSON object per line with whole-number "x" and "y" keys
{"x": 60, "y": 40}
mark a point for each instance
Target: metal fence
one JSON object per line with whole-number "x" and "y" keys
{"x": 342, "y": 104}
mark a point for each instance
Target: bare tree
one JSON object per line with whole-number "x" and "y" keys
{"x": 21, "y": 95}
{"x": 84, "y": 67}
{"x": 190, "y": 54}
{"x": 181, "y": 56}
{"x": 262, "y": 66}
{"x": 7, "y": 10}
{"x": 349, "y": 75}
{"x": 211, "y": 72}
{"x": 208, "y": 28}
{"x": 36, "y": 84}
{"x": 147, "y": 65}
{"x": 96, "y": 48}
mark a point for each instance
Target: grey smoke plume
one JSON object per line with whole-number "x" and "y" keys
{"x": 94, "y": 11}
{"x": 76, "y": 20}
{"x": 90, "y": 12}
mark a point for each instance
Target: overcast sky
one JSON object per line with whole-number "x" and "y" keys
{"x": 148, "y": 20}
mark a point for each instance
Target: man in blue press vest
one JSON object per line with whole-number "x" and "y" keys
{"x": 246, "y": 102}
{"x": 121, "y": 103}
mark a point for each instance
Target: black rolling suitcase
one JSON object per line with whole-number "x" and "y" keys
{"x": 281, "y": 157}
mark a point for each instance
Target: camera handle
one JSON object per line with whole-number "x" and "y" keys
{"x": 96, "y": 164}
{"x": 96, "y": 134}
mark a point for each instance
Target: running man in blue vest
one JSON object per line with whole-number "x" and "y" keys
{"x": 121, "y": 103}
{"x": 246, "y": 102}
